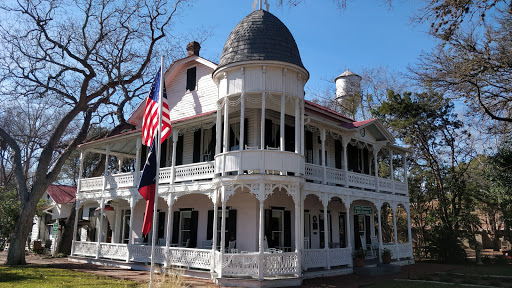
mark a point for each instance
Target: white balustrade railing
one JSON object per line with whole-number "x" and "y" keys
{"x": 335, "y": 176}
{"x": 404, "y": 251}
{"x": 190, "y": 258}
{"x": 244, "y": 264}
{"x": 340, "y": 256}
{"x": 260, "y": 160}
{"x": 401, "y": 187}
{"x": 120, "y": 180}
{"x": 386, "y": 185}
{"x": 140, "y": 253}
{"x": 393, "y": 248}
{"x": 280, "y": 264}
{"x": 113, "y": 251}
{"x": 314, "y": 172}
{"x": 314, "y": 258}
{"x": 85, "y": 248}
{"x": 361, "y": 180}
{"x": 196, "y": 171}
{"x": 90, "y": 184}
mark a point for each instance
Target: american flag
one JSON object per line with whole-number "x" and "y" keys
{"x": 150, "y": 121}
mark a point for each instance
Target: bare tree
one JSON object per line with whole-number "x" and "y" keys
{"x": 90, "y": 58}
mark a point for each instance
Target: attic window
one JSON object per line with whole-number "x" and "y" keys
{"x": 191, "y": 79}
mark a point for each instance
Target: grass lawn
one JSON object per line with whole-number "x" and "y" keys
{"x": 28, "y": 276}
{"x": 469, "y": 275}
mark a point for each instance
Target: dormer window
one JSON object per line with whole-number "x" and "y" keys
{"x": 191, "y": 79}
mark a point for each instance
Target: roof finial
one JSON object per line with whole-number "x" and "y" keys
{"x": 254, "y": 5}
{"x": 266, "y": 5}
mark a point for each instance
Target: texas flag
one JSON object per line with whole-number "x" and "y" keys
{"x": 147, "y": 188}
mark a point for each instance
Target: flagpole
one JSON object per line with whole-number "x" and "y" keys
{"x": 158, "y": 147}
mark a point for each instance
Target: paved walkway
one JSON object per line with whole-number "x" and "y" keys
{"x": 348, "y": 281}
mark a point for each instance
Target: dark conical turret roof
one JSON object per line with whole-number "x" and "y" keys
{"x": 260, "y": 36}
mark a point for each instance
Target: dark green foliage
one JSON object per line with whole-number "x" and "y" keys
{"x": 9, "y": 211}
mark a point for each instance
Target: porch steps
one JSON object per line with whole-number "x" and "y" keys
{"x": 379, "y": 269}
{"x": 255, "y": 283}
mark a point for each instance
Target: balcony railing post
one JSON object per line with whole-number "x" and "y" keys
{"x": 322, "y": 137}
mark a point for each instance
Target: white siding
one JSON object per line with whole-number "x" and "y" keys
{"x": 189, "y": 103}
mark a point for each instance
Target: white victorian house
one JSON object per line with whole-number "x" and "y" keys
{"x": 255, "y": 181}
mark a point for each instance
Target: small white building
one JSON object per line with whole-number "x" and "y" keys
{"x": 251, "y": 172}
{"x": 59, "y": 201}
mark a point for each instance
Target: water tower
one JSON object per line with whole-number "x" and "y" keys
{"x": 348, "y": 91}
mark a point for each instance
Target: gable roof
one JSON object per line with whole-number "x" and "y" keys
{"x": 62, "y": 194}
{"x": 137, "y": 114}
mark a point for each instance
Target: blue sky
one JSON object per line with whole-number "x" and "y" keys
{"x": 366, "y": 34}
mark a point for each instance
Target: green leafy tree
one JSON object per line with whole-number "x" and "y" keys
{"x": 439, "y": 141}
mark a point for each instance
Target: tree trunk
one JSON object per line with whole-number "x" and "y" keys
{"x": 16, "y": 254}
{"x": 66, "y": 239}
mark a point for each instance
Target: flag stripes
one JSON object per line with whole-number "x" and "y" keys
{"x": 150, "y": 121}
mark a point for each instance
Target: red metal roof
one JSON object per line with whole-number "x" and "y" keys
{"x": 327, "y": 110}
{"x": 62, "y": 194}
{"x": 357, "y": 124}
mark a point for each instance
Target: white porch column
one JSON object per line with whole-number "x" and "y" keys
{"x": 261, "y": 250}
{"x": 392, "y": 176}
{"x": 170, "y": 203}
{"x": 404, "y": 158}
{"x": 394, "y": 228}
{"x": 344, "y": 141}
{"x": 242, "y": 115}
{"x": 120, "y": 163}
{"x": 322, "y": 137}
{"x": 375, "y": 163}
{"x": 173, "y": 159}
{"x": 302, "y": 112}
{"x": 347, "y": 201}
{"x": 283, "y": 103}
{"x": 77, "y": 202}
{"x": 409, "y": 234}
{"x": 226, "y": 125}
{"x": 223, "y": 227}
{"x": 296, "y": 201}
{"x": 100, "y": 229}
{"x": 262, "y": 140}
{"x": 133, "y": 201}
{"x": 75, "y": 225}
{"x": 381, "y": 247}
{"x": 218, "y": 129}
{"x": 325, "y": 203}
{"x": 214, "y": 228}
{"x": 297, "y": 126}
{"x": 136, "y": 175}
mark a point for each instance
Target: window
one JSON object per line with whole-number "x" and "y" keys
{"x": 329, "y": 229}
{"x": 342, "y": 226}
{"x": 126, "y": 226}
{"x": 230, "y": 232}
{"x": 191, "y": 79}
{"x": 277, "y": 226}
{"x": 309, "y": 147}
{"x": 160, "y": 225}
{"x": 234, "y": 136}
{"x": 185, "y": 227}
{"x": 208, "y": 144}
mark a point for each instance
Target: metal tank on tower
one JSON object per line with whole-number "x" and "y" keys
{"x": 348, "y": 91}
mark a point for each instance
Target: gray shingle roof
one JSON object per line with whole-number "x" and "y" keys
{"x": 260, "y": 36}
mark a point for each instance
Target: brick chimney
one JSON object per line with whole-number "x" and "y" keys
{"x": 193, "y": 48}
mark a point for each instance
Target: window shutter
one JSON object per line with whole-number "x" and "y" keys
{"x": 197, "y": 146}
{"x": 143, "y": 156}
{"x": 211, "y": 145}
{"x": 161, "y": 224}
{"x": 268, "y": 133}
{"x": 175, "y": 227}
{"x": 231, "y": 138}
{"x": 193, "y": 228}
{"x": 209, "y": 226}
{"x": 231, "y": 225}
{"x": 191, "y": 79}
{"x": 163, "y": 154}
{"x": 287, "y": 229}
{"x": 366, "y": 161}
{"x": 268, "y": 231}
{"x": 352, "y": 158}
{"x": 179, "y": 151}
{"x": 289, "y": 137}
{"x": 338, "y": 149}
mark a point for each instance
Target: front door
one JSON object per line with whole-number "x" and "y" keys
{"x": 361, "y": 228}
